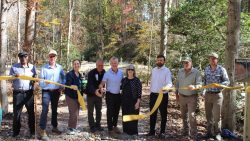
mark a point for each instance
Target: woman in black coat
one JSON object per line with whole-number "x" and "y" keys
{"x": 73, "y": 79}
{"x": 131, "y": 97}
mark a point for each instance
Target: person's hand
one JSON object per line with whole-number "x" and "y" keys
{"x": 17, "y": 75}
{"x": 191, "y": 87}
{"x": 74, "y": 87}
{"x": 137, "y": 105}
{"x": 103, "y": 90}
{"x": 98, "y": 93}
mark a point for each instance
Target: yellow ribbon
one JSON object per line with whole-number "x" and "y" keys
{"x": 127, "y": 118}
{"x": 80, "y": 97}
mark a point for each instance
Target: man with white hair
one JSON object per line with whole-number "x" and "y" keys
{"x": 112, "y": 78}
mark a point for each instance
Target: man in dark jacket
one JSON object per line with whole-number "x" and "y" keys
{"x": 94, "y": 96}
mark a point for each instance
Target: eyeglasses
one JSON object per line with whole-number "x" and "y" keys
{"x": 185, "y": 63}
{"x": 52, "y": 56}
{"x": 130, "y": 69}
{"x": 23, "y": 56}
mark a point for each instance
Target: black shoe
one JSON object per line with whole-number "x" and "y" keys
{"x": 150, "y": 134}
{"x": 15, "y": 134}
{"x": 32, "y": 135}
{"x": 99, "y": 128}
{"x": 208, "y": 136}
{"x": 161, "y": 135}
{"x": 92, "y": 129}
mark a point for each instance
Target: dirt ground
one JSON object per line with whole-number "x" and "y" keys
{"x": 173, "y": 130}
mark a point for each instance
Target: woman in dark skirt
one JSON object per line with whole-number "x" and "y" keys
{"x": 131, "y": 97}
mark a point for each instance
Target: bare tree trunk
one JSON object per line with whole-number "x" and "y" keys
{"x": 18, "y": 28}
{"x": 232, "y": 45}
{"x": 162, "y": 34}
{"x": 4, "y": 40}
{"x": 248, "y": 6}
{"x": 30, "y": 26}
{"x": 71, "y": 7}
{"x": 101, "y": 37}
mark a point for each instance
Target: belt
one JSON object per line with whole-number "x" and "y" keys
{"x": 112, "y": 93}
{"x": 21, "y": 91}
{"x": 50, "y": 90}
{"x": 210, "y": 92}
{"x": 158, "y": 93}
{"x": 188, "y": 95}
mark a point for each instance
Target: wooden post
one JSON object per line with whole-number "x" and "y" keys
{"x": 246, "y": 136}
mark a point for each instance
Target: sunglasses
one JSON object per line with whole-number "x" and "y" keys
{"x": 185, "y": 63}
{"x": 130, "y": 69}
{"x": 52, "y": 56}
{"x": 23, "y": 56}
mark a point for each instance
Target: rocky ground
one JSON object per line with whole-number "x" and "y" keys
{"x": 173, "y": 131}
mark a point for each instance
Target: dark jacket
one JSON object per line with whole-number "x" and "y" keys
{"x": 94, "y": 79}
{"x": 72, "y": 79}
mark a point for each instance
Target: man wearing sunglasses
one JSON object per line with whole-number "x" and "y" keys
{"x": 23, "y": 93}
{"x": 50, "y": 92}
{"x": 188, "y": 79}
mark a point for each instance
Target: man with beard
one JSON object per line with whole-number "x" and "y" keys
{"x": 160, "y": 77}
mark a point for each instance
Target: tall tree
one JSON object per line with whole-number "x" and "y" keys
{"x": 18, "y": 27}
{"x": 30, "y": 25}
{"x": 232, "y": 45}
{"x": 5, "y": 5}
{"x": 71, "y": 8}
{"x": 248, "y": 6}
{"x": 162, "y": 34}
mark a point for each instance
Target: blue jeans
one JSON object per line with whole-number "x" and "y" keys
{"x": 47, "y": 97}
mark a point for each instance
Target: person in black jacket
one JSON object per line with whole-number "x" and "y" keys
{"x": 131, "y": 97}
{"x": 73, "y": 79}
{"x": 94, "y": 96}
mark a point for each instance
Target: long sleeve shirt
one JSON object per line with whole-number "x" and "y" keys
{"x": 219, "y": 75}
{"x": 160, "y": 77}
{"x": 54, "y": 74}
{"x": 185, "y": 79}
{"x": 94, "y": 79}
{"x": 73, "y": 79}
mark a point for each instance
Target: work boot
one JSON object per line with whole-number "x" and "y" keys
{"x": 55, "y": 130}
{"x": 44, "y": 135}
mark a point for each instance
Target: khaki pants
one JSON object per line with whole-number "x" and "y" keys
{"x": 74, "y": 108}
{"x": 188, "y": 106}
{"x": 213, "y": 104}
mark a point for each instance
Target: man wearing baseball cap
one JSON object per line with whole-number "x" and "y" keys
{"x": 23, "y": 93}
{"x": 50, "y": 92}
{"x": 214, "y": 73}
{"x": 190, "y": 78}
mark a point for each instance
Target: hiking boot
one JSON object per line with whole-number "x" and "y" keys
{"x": 44, "y": 135}
{"x": 55, "y": 130}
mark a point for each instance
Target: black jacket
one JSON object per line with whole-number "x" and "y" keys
{"x": 94, "y": 79}
{"x": 72, "y": 79}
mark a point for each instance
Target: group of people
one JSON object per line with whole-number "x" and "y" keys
{"x": 120, "y": 92}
